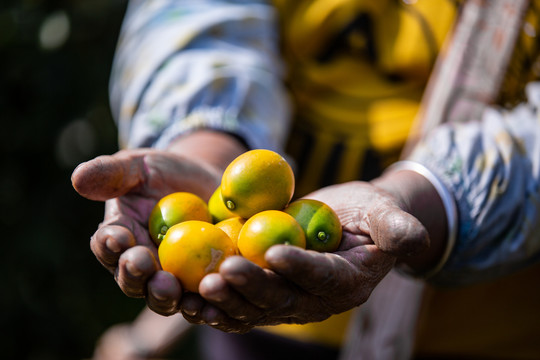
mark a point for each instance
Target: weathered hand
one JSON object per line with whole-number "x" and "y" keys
{"x": 306, "y": 286}
{"x": 366, "y": 209}
{"x": 131, "y": 182}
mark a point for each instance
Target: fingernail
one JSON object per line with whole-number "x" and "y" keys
{"x": 113, "y": 245}
{"x": 133, "y": 270}
{"x": 189, "y": 312}
{"x": 158, "y": 296}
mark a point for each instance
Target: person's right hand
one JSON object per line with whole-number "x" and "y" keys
{"x": 131, "y": 182}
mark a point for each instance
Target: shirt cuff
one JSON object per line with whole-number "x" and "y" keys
{"x": 449, "y": 207}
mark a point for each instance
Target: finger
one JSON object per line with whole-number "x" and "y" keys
{"x": 164, "y": 293}
{"x": 217, "y": 291}
{"x": 350, "y": 240}
{"x": 397, "y": 232}
{"x": 135, "y": 266}
{"x": 316, "y": 273}
{"x": 109, "y": 176}
{"x": 131, "y": 212}
{"x": 369, "y": 263}
{"x": 197, "y": 311}
{"x": 214, "y": 317}
{"x": 263, "y": 288}
{"x": 191, "y": 306}
{"x": 109, "y": 243}
{"x": 218, "y": 319}
{"x": 347, "y": 277}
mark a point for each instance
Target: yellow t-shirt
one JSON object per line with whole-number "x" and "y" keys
{"x": 357, "y": 71}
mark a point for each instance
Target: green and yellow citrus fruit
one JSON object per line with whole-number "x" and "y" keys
{"x": 256, "y": 181}
{"x": 192, "y": 249}
{"x": 217, "y": 207}
{"x": 265, "y": 229}
{"x": 319, "y": 222}
{"x": 173, "y": 209}
{"x": 232, "y": 227}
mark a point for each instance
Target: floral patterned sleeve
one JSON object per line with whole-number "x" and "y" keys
{"x": 187, "y": 65}
{"x": 492, "y": 169}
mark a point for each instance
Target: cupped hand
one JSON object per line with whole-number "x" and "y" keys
{"x": 306, "y": 286}
{"x": 131, "y": 182}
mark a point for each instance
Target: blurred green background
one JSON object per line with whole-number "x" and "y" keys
{"x": 55, "y": 61}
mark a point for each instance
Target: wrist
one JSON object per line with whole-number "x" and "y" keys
{"x": 214, "y": 148}
{"x": 418, "y": 192}
{"x": 154, "y": 336}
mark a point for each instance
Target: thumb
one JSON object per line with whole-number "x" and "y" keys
{"x": 397, "y": 232}
{"x": 108, "y": 176}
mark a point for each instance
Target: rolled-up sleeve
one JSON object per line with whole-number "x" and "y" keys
{"x": 492, "y": 168}
{"x": 187, "y": 65}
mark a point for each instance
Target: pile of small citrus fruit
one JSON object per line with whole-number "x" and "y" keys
{"x": 249, "y": 212}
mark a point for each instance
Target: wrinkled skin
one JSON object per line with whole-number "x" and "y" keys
{"x": 306, "y": 286}
{"x": 303, "y": 286}
{"x": 131, "y": 182}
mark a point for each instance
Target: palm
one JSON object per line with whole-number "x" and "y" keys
{"x": 365, "y": 209}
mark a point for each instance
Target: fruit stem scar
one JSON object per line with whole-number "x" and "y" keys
{"x": 164, "y": 229}
{"x": 322, "y": 236}
{"x": 230, "y": 205}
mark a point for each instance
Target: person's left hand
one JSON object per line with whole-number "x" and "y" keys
{"x": 307, "y": 286}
